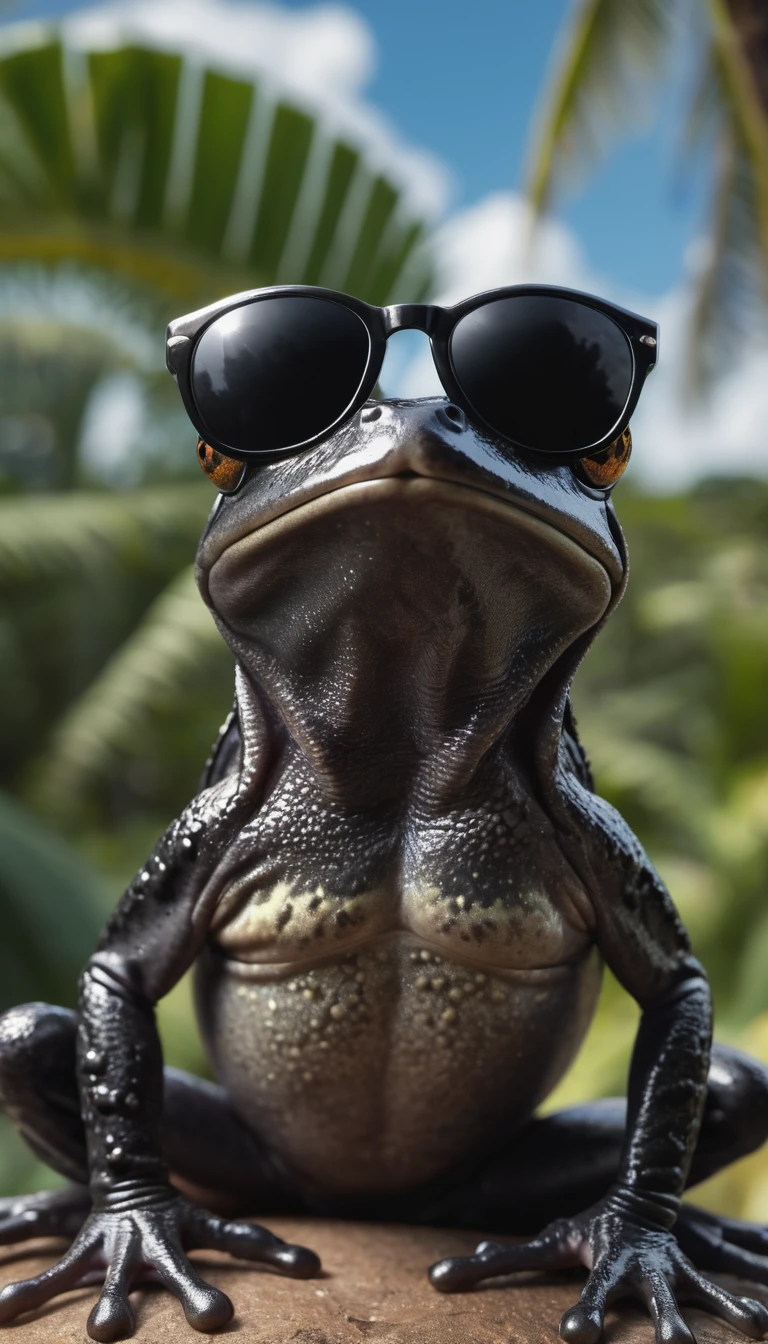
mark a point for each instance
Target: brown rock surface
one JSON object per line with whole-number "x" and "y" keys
{"x": 374, "y": 1288}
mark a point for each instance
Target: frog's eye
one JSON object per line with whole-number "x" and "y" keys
{"x": 605, "y": 468}
{"x": 225, "y": 472}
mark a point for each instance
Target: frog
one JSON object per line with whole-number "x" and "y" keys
{"x": 397, "y": 889}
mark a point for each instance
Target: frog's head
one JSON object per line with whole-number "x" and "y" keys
{"x": 409, "y": 579}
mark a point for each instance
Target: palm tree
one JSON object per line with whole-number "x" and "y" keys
{"x": 616, "y": 49}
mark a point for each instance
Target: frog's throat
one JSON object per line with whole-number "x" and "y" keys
{"x": 403, "y": 621}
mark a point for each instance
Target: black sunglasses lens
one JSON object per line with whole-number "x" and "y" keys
{"x": 272, "y": 374}
{"x": 548, "y": 373}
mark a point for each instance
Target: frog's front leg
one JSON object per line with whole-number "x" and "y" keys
{"x": 139, "y": 1222}
{"x": 626, "y": 1238}
{"x": 629, "y": 1250}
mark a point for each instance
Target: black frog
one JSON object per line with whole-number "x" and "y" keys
{"x": 398, "y": 887}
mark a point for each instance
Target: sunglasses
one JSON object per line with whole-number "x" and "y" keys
{"x": 273, "y": 371}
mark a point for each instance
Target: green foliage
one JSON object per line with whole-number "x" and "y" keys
{"x": 77, "y": 572}
{"x": 53, "y": 904}
{"x": 47, "y": 538}
{"x": 170, "y": 660}
{"x": 671, "y": 704}
{"x": 673, "y": 713}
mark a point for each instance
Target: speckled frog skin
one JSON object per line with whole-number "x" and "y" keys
{"x": 399, "y": 889}
{"x": 397, "y": 933}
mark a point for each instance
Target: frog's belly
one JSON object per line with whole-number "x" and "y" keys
{"x": 391, "y": 1064}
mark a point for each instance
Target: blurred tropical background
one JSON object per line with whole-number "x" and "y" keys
{"x": 156, "y": 156}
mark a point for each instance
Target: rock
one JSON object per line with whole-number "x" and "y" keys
{"x": 374, "y": 1288}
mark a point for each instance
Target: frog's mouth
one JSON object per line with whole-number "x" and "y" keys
{"x": 405, "y": 485}
{"x": 278, "y": 518}
{"x": 361, "y": 535}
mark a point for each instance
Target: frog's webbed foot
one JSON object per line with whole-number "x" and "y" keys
{"x": 723, "y": 1245}
{"x": 625, "y": 1259}
{"x": 120, "y": 1248}
{"x": 50, "y": 1213}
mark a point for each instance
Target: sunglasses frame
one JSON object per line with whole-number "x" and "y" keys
{"x": 438, "y": 323}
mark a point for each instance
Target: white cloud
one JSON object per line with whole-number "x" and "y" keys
{"x": 489, "y": 245}
{"x": 724, "y": 433}
{"x": 327, "y": 51}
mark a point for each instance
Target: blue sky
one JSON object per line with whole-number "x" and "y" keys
{"x": 461, "y": 80}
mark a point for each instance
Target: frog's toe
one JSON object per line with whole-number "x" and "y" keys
{"x": 50, "y": 1213}
{"x": 743, "y": 1313}
{"x": 72, "y": 1271}
{"x": 723, "y": 1245}
{"x": 491, "y": 1259}
{"x": 250, "y": 1241}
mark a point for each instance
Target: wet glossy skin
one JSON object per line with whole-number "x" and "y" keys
{"x": 398, "y": 888}
{"x": 398, "y": 601}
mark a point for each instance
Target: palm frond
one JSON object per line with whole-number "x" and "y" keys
{"x": 744, "y": 109}
{"x": 195, "y": 182}
{"x": 734, "y": 280}
{"x": 175, "y": 653}
{"x": 65, "y": 536}
{"x": 611, "y": 49}
{"x": 702, "y": 118}
{"x": 68, "y": 339}
{"x": 97, "y": 304}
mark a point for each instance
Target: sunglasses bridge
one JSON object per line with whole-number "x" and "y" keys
{"x": 410, "y": 317}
